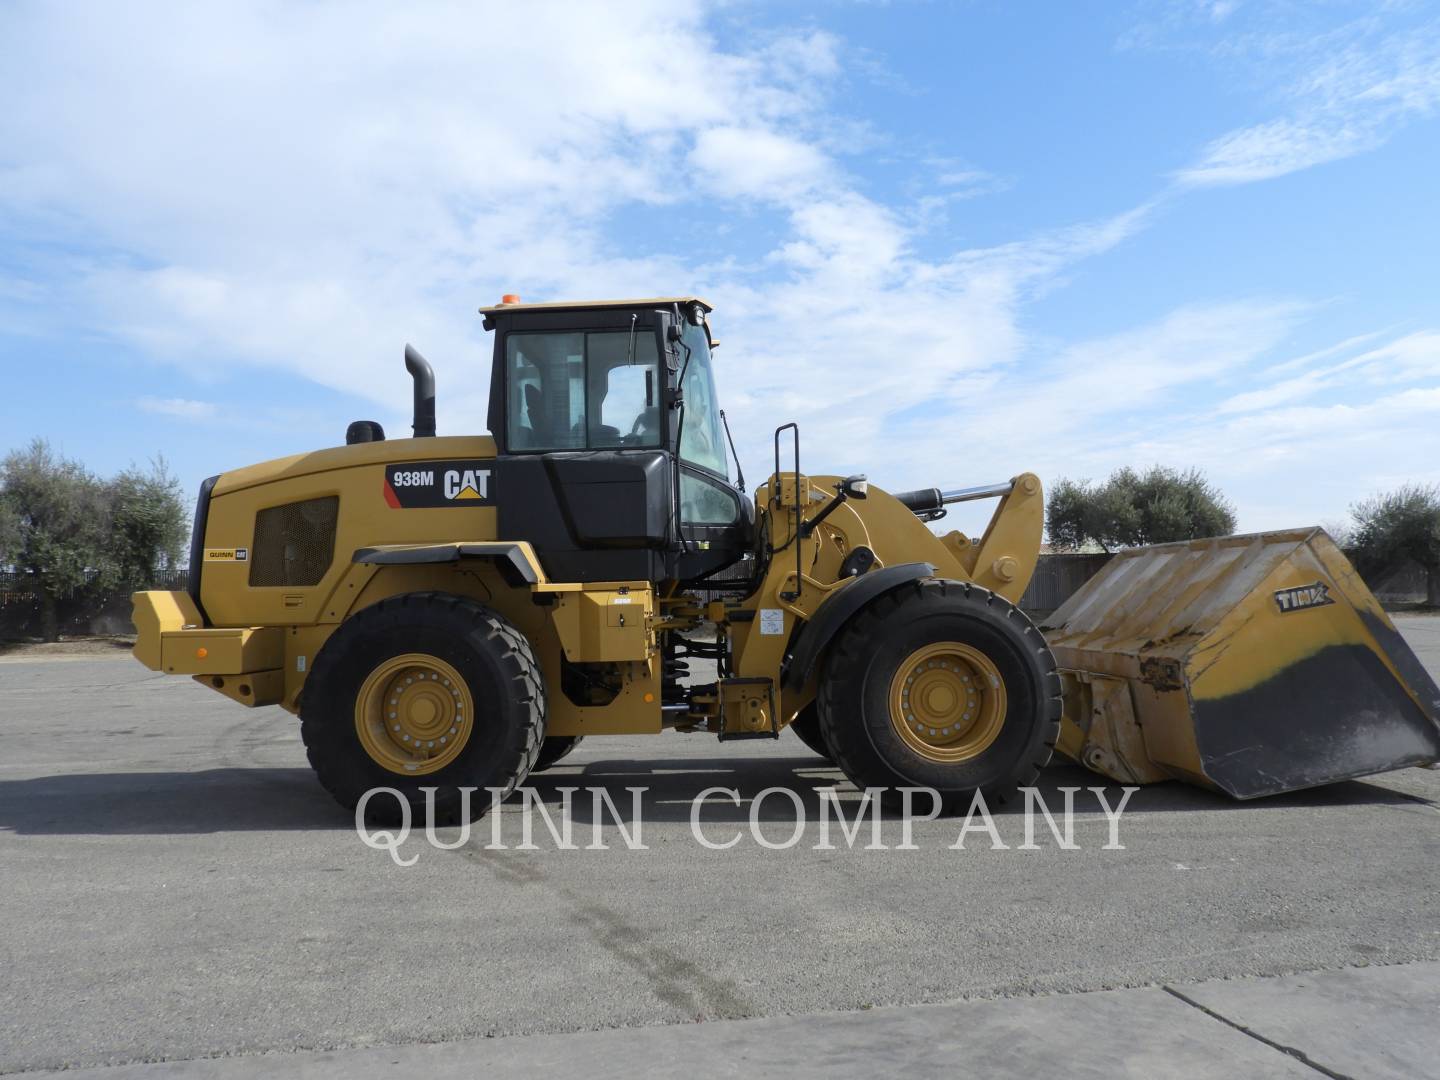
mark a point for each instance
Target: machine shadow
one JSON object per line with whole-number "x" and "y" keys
{"x": 173, "y": 803}
{"x": 674, "y": 783}
{"x": 282, "y": 799}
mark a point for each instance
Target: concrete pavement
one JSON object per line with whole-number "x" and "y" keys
{"x": 1377, "y": 1023}
{"x": 174, "y": 884}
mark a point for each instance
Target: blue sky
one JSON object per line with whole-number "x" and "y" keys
{"x": 955, "y": 241}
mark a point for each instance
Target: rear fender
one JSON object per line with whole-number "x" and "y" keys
{"x": 516, "y": 561}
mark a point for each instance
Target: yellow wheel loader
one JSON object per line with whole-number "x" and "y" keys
{"x": 455, "y": 612}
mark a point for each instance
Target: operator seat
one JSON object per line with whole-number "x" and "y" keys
{"x": 534, "y": 410}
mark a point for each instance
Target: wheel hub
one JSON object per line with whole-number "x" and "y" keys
{"x": 414, "y": 714}
{"x": 947, "y": 701}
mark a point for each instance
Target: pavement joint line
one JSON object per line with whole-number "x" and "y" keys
{"x": 344, "y": 1046}
{"x": 1294, "y": 1052}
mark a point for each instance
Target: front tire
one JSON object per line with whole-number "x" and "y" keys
{"x": 423, "y": 690}
{"x": 945, "y": 685}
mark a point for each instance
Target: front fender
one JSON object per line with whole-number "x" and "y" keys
{"x": 834, "y": 613}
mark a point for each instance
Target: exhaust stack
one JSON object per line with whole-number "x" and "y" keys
{"x": 424, "y": 376}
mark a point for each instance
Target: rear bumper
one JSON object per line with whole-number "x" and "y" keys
{"x": 244, "y": 663}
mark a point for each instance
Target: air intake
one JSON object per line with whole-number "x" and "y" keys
{"x": 294, "y": 543}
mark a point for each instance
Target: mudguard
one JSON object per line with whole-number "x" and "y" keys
{"x": 516, "y": 561}
{"x": 834, "y": 613}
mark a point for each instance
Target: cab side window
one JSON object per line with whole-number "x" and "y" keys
{"x": 546, "y": 375}
{"x": 574, "y": 391}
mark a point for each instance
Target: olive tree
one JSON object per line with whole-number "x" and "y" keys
{"x": 1132, "y": 509}
{"x": 75, "y": 534}
{"x": 1399, "y": 525}
{"x": 148, "y": 525}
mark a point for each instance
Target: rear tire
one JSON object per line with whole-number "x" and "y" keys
{"x": 457, "y": 676}
{"x": 554, "y": 748}
{"x": 945, "y": 685}
{"x": 807, "y": 727}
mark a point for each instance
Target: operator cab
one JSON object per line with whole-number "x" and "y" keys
{"x": 602, "y": 413}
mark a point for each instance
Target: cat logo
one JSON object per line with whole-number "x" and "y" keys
{"x": 226, "y": 554}
{"x": 469, "y": 484}
{"x": 1303, "y": 596}
{"x": 429, "y": 484}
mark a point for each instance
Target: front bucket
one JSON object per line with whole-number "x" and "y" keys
{"x": 1248, "y": 664}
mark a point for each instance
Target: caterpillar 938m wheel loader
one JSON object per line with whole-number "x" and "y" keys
{"x": 458, "y": 611}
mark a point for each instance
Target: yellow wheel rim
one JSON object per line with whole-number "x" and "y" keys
{"x": 414, "y": 714}
{"x": 947, "y": 701}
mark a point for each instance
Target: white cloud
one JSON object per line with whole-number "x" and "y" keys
{"x": 1297, "y": 444}
{"x": 184, "y": 408}
{"x": 1278, "y": 147}
{"x": 1219, "y": 10}
{"x": 1406, "y": 359}
{"x": 1291, "y": 443}
{"x": 309, "y": 188}
{"x": 752, "y": 162}
{"x": 1343, "y": 450}
{"x": 1080, "y": 412}
{"x": 1348, "y": 95}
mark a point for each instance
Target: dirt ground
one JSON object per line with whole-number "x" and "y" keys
{"x": 66, "y": 648}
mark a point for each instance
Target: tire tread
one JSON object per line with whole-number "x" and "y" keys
{"x": 395, "y": 613}
{"x": 850, "y": 653}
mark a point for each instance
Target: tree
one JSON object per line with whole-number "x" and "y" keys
{"x": 1399, "y": 525}
{"x": 148, "y": 526}
{"x": 1131, "y": 509}
{"x": 76, "y": 534}
{"x": 9, "y": 530}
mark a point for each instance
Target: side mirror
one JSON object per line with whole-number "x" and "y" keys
{"x": 854, "y": 487}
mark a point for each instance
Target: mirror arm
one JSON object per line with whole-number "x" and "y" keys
{"x": 808, "y": 527}
{"x": 852, "y": 487}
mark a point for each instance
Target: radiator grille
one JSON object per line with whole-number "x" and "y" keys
{"x": 294, "y": 543}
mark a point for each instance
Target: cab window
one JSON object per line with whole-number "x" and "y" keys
{"x": 702, "y": 442}
{"x": 703, "y": 501}
{"x": 577, "y": 391}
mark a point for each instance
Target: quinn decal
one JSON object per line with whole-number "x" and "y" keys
{"x": 1303, "y": 596}
{"x": 428, "y": 484}
{"x": 226, "y": 554}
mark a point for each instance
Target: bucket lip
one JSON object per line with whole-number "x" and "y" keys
{"x": 1298, "y": 534}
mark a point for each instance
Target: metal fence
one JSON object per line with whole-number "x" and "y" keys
{"x": 1402, "y": 584}
{"x": 80, "y": 613}
{"x": 1057, "y": 578}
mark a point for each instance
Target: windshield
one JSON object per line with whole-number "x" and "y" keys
{"x": 574, "y": 391}
{"x": 701, "y": 440}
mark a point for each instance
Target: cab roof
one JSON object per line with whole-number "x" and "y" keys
{"x": 578, "y": 305}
